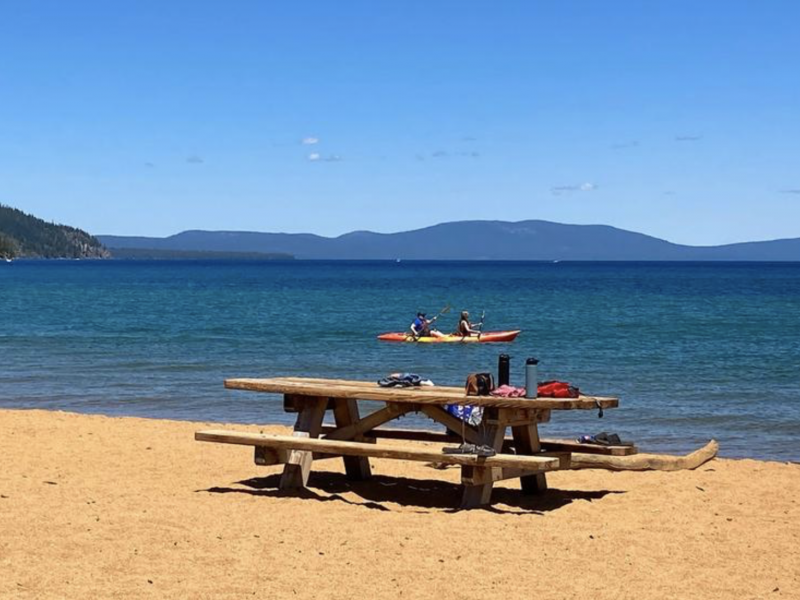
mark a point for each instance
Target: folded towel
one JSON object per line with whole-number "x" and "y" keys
{"x": 470, "y": 414}
{"x": 508, "y": 391}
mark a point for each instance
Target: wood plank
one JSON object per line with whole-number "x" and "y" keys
{"x": 548, "y": 444}
{"x": 265, "y": 457}
{"x": 526, "y": 442}
{"x": 417, "y": 395}
{"x": 298, "y": 463}
{"x": 492, "y": 435}
{"x": 574, "y": 446}
{"x": 519, "y": 416}
{"x": 417, "y": 435}
{"x": 457, "y": 391}
{"x": 379, "y": 417}
{"x": 449, "y": 391}
{"x": 499, "y": 474}
{"x": 285, "y": 442}
{"x": 345, "y": 411}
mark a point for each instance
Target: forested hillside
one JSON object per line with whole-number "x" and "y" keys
{"x": 23, "y": 235}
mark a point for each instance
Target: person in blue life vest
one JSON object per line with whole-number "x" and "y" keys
{"x": 421, "y": 327}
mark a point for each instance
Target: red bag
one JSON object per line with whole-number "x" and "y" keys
{"x": 557, "y": 389}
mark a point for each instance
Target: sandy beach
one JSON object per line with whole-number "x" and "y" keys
{"x": 97, "y": 507}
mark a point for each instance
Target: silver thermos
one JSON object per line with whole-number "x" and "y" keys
{"x": 531, "y": 378}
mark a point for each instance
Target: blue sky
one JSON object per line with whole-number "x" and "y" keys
{"x": 678, "y": 119}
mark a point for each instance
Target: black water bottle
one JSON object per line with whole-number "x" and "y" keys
{"x": 503, "y": 369}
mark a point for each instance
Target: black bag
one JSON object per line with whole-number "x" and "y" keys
{"x": 479, "y": 384}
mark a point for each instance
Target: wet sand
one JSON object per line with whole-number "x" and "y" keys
{"x": 97, "y": 507}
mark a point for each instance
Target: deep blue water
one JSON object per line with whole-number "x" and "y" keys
{"x": 694, "y": 351}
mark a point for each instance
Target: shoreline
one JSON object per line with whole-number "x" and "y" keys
{"x": 95, "y": 506}
{"x": 289, "y": 419}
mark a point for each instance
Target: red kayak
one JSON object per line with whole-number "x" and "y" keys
{"x": 484, "y": 338}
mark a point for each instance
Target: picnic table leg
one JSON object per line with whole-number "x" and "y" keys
{"x": 345, "y": 412}
{"x": 526, "y": 443}
{"x": 309, "y": 423}
{"x": 492, "y": 435}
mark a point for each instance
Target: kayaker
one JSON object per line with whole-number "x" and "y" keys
{"x": 465, "y": 328}
{"x": 421, "y": 327}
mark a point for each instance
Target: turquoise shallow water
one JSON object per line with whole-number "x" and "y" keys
{"x": 693, "y": 350}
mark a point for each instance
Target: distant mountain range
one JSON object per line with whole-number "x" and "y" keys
{"x": 467, "y": 240}
{"x": 23, "y": 235}
{"x": 161, "y": 254}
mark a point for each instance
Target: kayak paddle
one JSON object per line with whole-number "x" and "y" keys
{"x": 444, "y": 311}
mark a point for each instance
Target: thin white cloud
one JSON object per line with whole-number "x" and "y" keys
{"x": 449, "y": 154}
{"x": 309, "y": 141}
{"x": 568, "y": 189}
{"x": 317, "y": 157}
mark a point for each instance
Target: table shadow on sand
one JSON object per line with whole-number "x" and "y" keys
{"x": 380, "y": 492}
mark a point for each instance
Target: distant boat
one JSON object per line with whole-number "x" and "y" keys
{"x": 398, "y": 260}
{"x": 8, "y": 260}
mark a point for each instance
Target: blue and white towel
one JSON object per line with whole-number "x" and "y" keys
{"x": 470, "y": 414}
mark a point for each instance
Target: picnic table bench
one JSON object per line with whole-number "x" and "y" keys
{"x": 522, "y": 455}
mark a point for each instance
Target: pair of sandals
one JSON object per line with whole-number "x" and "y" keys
{"x": 482, "y": 450}
{"x": 603, "y": 439}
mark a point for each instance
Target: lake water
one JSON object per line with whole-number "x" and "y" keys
{"x": 694, "y": 351}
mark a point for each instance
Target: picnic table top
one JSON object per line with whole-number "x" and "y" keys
{"x": 437, "y": 395}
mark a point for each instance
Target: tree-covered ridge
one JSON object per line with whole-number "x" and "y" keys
{"x": 157, "y": 254}
{"x": 23, "y": 235}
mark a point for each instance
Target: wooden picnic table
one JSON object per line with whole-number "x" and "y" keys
{"x": 523, "y": 455}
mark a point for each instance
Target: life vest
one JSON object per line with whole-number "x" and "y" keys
{"x": 463, "y": 327}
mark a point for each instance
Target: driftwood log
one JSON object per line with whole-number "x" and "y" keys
{"x": 646, "y": 462}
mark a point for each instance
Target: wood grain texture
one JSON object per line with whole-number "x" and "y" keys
{"x": 499, "y": 474}
{"x": 573, "y": 446}
{"x": 366, "y": 390}
{"x": 526, "y": 441}
{"x": 372, "y": 420}
{"x": 550, "y": 444}
{"x": 298, "y": 462}
{"x": 285, "y": 442}
{"x": 647, "y": 462}
{"x": 346, "y": 413}
{"x": 492, "y": 435}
